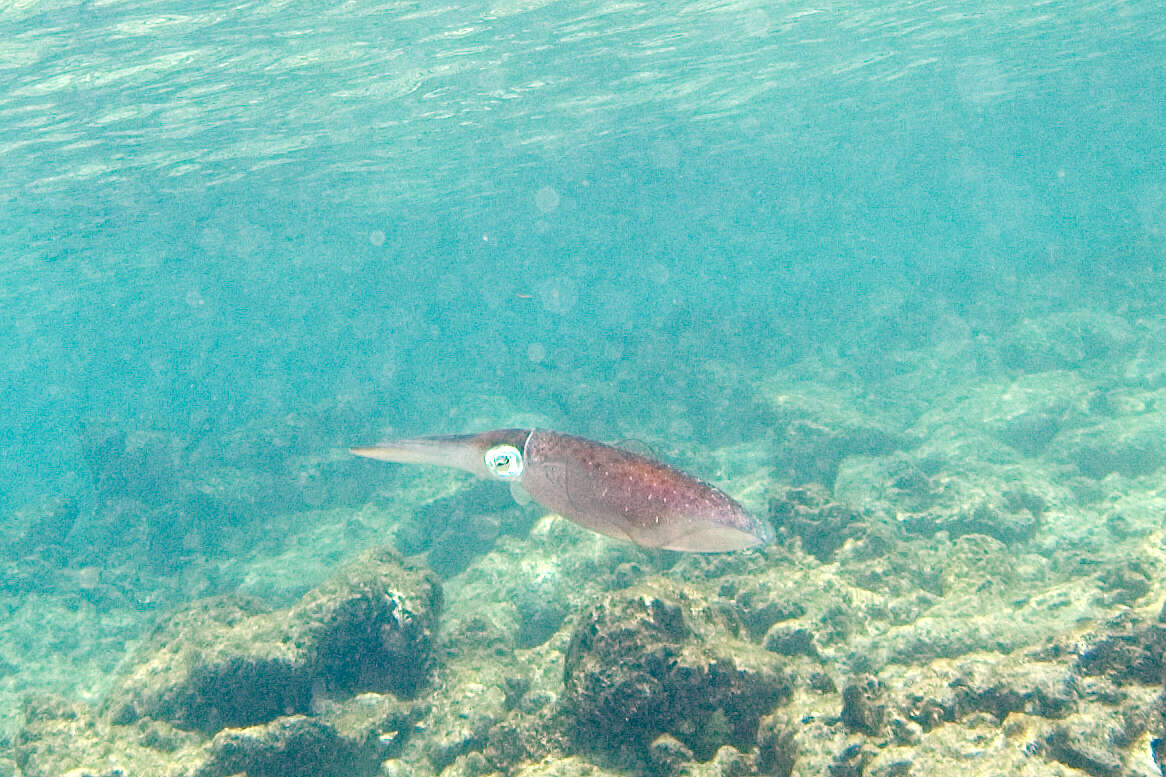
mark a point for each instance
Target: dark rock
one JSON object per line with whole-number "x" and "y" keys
{"x": 462, "y": 731}
{"x": 822, "y": 682}
{"x": 1134, "y": 657}
{"x": 863, "y": 708}
{"x": 1132, "y": 721}
{"x": 822, "y": 524}
{"x": 1119, "y": 526}
{"x": 541, "y": 611}
{"x": 531, "y": 737}
{"x": 293, "y": 746}
{"x": 514, "y": 688}
{"x": 195, "y": 523}
{"x": 628, "y": 574}
{"x": 790, "y": 641}
{"x": 51, "y": 527}
{"x": 234, "y": 663}
{"x": 329, "y": 481}
{"x": 892, "y": 769}
{"x": 668, "y": 755}
{"x": 1043, "y": 689}
{"x": 1083, "y": 749}
{"x": 760, "y": 615}
{"x": 371, "y": 627}
{"x": 910, "y": 485}
{"x": 905, "y": 732}
{"x": 777, "y": 748}
{"x": 928, "y": 713}
{"x": 852, "y": 761}
{"x": 1016, "y": 500}
{"x": 42, "y": 707}
{"x": 976, "y": 519}
{"x": 731, "y": 762}
{"x": 970, "y": 695}
{"x": 1124, "y": 583}
{"x": 655, "y": 661}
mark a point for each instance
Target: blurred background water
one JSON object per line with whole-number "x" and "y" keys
{"x": 239, "y": 237}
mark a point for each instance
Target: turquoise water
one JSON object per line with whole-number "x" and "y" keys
{"x": 216, "y": 215}
{"x": 238, "y": 238}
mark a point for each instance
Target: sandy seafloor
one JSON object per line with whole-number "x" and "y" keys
{"x": 967, "y": 579}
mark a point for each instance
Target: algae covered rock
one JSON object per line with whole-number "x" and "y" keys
{"x": 810, "y": 452}
{"x": 371, "y": 627}
{"x": 996, "y": 687}
{"x": 345, "y": 739}
{"x": 1130, "y": 655}
{"x": 570, "y": 766}
{"x": 659, "y": 660}
{"x": 863, "y": 709}
{"x": 293, "y": 746}
{"x": 236, "y": 663}
{"x": 962, "y": 503}
{"x": 821, "y": 524}
{"x": 1084, "y": 747}
{"x": 61, "y": 737}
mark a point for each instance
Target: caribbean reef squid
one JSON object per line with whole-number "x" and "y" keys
{"x": 604, "y": 488}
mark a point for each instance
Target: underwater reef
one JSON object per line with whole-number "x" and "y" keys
{"x": 968, "y": 576}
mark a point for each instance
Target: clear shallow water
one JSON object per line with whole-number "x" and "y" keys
{"x": 258, "y": 232}
{"x": 216, "y": 214}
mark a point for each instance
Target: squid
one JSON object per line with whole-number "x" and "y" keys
{"x": 604, "y": 488}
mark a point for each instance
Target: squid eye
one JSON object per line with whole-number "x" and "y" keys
{"x": 504, "y": 462}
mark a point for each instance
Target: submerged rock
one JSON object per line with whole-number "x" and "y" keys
{"x": 67, "y": 738}
{"x": 993, "y": 687}
{"x": 1133, "y": 656}
{"x": 1064, "y": 341}
{"x": 293, "y": 746}
{"x": 668, "y": 755}
{"x": 1031, "y": 430}
{"x": 140, "y": 466}
{"x": 810, "y": 452}
{"x": 348, "y": 738}
{"x": 659, "y": 660}
{"x": 821, "y": 524}
{"x": 813, "y": 434}
{"x": 790, "y": 641}
{"x": 863, "y": 709}
{"x": 973, "y": 503}
{"x": 1132, "y": 445}
{"x": 1086, "y": 747}
{"x": 236, "y": 663}
{"x": 571, "y": 766}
